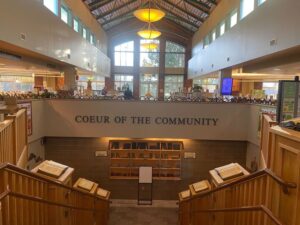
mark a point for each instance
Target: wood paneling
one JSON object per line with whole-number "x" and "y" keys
{"x": 79, "y": 153}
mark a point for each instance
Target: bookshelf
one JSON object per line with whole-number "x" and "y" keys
{"x": 126, "y": 156}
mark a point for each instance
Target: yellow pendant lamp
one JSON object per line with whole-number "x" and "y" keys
{"x": 149, "y": 33}
{"x": 149, "y": 15}
{"x": 149, "y": 46}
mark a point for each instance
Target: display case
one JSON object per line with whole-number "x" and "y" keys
{"x": 126, "y": 156}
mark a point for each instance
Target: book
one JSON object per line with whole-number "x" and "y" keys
{"x": 85, "y": 184}
{"x": 52, "y": 168}
{"x": 229, "y": 171}
{"x": 102, "y": 193}
{"x": 200, "y": 186}
{"x": 185, "y": 194}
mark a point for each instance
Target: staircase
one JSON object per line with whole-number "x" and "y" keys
{"x": 270, "y": 196}
{"x": 28, "y": 198}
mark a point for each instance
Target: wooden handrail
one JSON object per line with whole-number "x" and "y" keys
{"x": 285, "y": 185}
{"x": 41, "y": 178}
{"x": 243, "y": 209}
{"x": 38, "y": 199}
{"x": 4, "y": 194}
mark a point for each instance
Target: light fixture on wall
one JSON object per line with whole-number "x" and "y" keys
{"x": 149, "y": 32}
{"x": 150, "y": 14}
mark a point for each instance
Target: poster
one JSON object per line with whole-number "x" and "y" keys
{"x": 288, "y": 105}
{"x": 28, "y": 107}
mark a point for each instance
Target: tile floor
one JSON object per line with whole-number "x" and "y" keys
{"x": 127, "y": 212}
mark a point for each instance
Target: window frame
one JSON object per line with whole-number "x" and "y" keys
{"x": 242, "y": 9}
{"x": 179, "y": 53}
{"x": 232, "y": 14}
{"x": 126, "y": 53}
{"x": 55, "y": 10}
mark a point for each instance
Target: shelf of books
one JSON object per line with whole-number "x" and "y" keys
{"x": 163, "y": 156}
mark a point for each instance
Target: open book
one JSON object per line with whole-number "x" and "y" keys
{"x": 52, "y": 168}
{"x": 200, "y": 186}
{"x": 229, "y": 171}
{"x": 102, "y": 193}
{"x": 185, "y": 194}
{"x": 85, "y": 184}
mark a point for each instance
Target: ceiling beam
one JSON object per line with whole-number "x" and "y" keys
{"x": 186, "y": 12}
{"x": 114, "y": 9}
{"x": 98, "y": 4}
{"x": 187, "y": 30}
{"x": 205, "y": 9}
{"x": 119, "y": 16}
{"x": 179, "y": 17}
{"x": 213, "y": 2}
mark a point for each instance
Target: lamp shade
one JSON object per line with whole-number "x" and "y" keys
{"x": 149, "y": 15}
{"x": 149, "y": 46}
{"x": 149, "y": 34}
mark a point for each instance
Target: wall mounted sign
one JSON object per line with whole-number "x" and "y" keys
{"x": 140, "y": 120}
{"x": 101, "y": 153}
{"x": 190, "y": 155}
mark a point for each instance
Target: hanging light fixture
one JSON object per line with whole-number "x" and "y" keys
{"x": 149, "y": 14}
{"x": 149, "y": 32}
{"x": 149, "y": 46}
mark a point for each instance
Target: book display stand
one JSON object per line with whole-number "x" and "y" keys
{"x": 199, "y": 187}
{"x": 55, "y": 171}
{"x": 145, "y": 185}
{"x": 226, "y": 174}
{"x": 86, "y": 185}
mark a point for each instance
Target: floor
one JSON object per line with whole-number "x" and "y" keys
{"x": 127, "y": 212}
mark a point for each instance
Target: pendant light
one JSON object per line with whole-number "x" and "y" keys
{"x": 149, "y": 32}
{"x": 149, "y": 14}
{"x": 149, "y": 46}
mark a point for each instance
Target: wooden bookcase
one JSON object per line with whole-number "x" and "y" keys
{"x": 126, "y": 156}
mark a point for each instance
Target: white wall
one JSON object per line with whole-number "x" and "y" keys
{"x": 38, "y": 120}
{"x": 36, "y": 149}
{"x": 48, "y": 35}
{"x": 232, "y": 119}
{"x": 57, "y": 118}
{"x": 250, "y": 38}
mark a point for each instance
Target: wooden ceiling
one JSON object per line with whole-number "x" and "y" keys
{"x": 189, "y": 14}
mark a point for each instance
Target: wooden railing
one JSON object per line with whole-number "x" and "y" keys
{"x": 262, "y": 188}
{"x": 7, "y": 142}
{"x": 27, "y": 198}
{"x": 265, "y": 140}
{"x": 13, "y": 139}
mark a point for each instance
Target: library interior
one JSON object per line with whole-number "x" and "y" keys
{"x": 143, "y": 112}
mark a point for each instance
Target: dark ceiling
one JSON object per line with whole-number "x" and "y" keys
{"x": 189, "y": 14}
